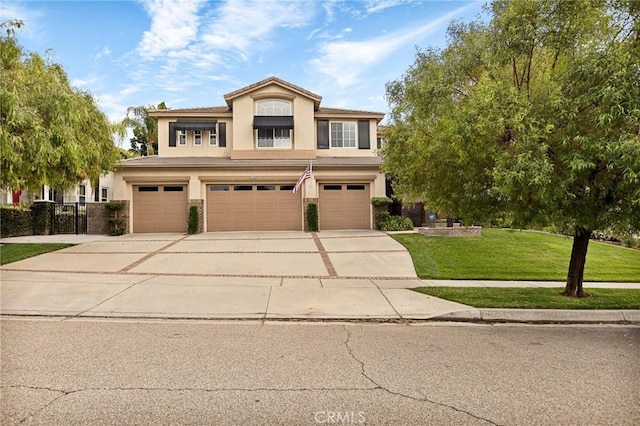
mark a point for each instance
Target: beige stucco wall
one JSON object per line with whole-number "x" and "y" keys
{"x": 191, "y": 150}
{"x": 350, "y": 152}
{"x": 244, "y": 109}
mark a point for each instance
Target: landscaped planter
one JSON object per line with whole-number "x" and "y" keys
{"x": 455, "y": 231}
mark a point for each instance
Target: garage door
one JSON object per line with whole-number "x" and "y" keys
{"x": 159, "y": 208}
{"x": 267, "y": 207}
{"x": 344, "y": 206}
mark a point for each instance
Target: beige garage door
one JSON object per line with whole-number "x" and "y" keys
{"x": 344, "y": 206}
{"x": 268, "y": 207}
{"x": 159, "y": 208}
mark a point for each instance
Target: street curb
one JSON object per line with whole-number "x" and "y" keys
{"x": 478, "y": 316}
{"x": 544, "y": 316}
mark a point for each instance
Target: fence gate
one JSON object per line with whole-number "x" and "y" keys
{"x": 69, "y": 218}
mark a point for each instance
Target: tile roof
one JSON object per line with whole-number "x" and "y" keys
{"x": 270, "y": 80}
{"x": 206, "y": 110}
{"x": 225, "y": 162}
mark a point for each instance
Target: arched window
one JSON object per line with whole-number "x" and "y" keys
{"x": 273, "y": 133}
{"x": 273, "y": 107}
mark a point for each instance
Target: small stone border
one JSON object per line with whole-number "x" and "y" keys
{"x": 456, "y": 231}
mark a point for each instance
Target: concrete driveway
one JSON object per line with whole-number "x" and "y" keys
{"x": 258, "y": 275}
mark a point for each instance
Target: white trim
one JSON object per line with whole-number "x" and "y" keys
{"x": 355, "y": 134}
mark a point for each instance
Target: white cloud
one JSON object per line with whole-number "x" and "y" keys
{"x": 374, "y": 6}
{"x": 174, "y": 24}
{"x": 31, "y": 18}
{"x": 239, "y": 25}
{"x": 103, "y": 53}
{"x": 345, "y": 61}
{"x": 84, "y": 83}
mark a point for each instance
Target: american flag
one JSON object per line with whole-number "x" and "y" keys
{"x": 306, "y": 175}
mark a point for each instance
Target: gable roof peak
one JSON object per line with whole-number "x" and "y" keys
{"x": 272, "y": 80}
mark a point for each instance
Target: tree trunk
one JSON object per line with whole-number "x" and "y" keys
{"x": 576, "y": 264}
{"x": 449, "y": 222}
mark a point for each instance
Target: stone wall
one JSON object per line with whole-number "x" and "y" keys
{"x": 97, "y": 219}
{"x": 41, "y": 213}
{"x": 456, "y": 231}
{"x": 123, "y": 214}
{"x": 200, "y": 205}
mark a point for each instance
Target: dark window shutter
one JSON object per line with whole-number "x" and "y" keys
{"x": 363, "y": 134}
{"x": 172, "y": 134}
{"x": 323, "y": 134}
{"x": 222, "y": 135}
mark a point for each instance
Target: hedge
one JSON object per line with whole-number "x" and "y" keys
{"x": 15, "y": 222}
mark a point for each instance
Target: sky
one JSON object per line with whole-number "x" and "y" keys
{"x": 189, "y": 53}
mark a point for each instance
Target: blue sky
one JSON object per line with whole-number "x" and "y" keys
{"x": 189, "y": 53}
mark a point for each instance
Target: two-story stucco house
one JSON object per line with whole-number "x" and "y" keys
{"x": 239, "y": 163}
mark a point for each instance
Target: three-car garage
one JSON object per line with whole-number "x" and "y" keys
{"x": 250, "y": 207}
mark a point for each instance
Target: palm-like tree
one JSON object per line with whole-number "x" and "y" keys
{"x": 144, "y": 127}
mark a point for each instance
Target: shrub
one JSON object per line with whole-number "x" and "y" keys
{"x": 312, "y": 217}
{"x": 114, "y": 206}
{"x": 380, "y": 218}
{"x": 381, "y": 201}
{"x": 193, "y": 220}
{"x": 396, "y": 223}
{"x": 16, "y": 221}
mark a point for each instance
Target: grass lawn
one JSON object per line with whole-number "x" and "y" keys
{"x": 536, "y": 298}
{"x": 501, "y": 254}
{"x": 13, "y": 252}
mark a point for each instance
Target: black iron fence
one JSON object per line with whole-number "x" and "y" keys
{"x": 69, "y": 218}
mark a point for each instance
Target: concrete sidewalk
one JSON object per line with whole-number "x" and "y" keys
{"x": 333, "y": 275}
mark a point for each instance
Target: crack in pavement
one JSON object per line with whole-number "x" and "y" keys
{"x": 424, "y": 399}
{"x": 45, "y": 406}
{"x": 64, "y": 393}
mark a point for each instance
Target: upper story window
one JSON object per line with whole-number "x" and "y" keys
{"x": 273, "y": 123}
{"x": 343, "y": 134}
{"x": 274, "y": 138}
{"x": 213, "y": 139}
{"x": 104, "y": 194}
{"x": 197, "y": 137}
{"x": 273, "y": 107}
{"x": 182, "y": 137}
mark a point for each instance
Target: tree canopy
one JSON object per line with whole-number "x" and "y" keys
{"x": 145, "y": 129}
{"x": 50, "y": 132}
{"x": 529, "y": 118}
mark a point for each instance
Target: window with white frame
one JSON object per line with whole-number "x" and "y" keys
{"x": 274, "y": 138}
{"x": 182, "y": 137}
{"x": 343, "y": 134}
{"x": 273, "y": 107}
{"x": 197, "y": 137}
{"x": 213, "y": 139}
{"x": 104, "y": 194}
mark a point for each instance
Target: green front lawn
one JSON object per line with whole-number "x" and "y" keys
{"x": 13, "y": 252}
{"x": 501, "y": 254}
{"x": 536, "y": 298}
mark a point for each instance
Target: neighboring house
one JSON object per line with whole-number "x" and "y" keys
{"x": 83, "y": 192}
{"x": 239, "y": 163}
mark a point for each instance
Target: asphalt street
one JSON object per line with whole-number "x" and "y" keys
{"x": 121, "y": 372}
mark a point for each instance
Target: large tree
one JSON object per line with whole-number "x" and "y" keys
{"x": 530, "y": 117}
{"x": 144, "y": 127}
{"x": 50, "y": 132}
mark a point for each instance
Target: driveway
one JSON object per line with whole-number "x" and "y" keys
{"x": 331, "y": 274}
